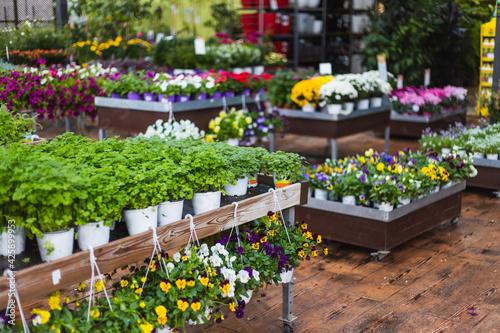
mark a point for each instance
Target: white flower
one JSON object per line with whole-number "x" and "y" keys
{"x": 170, "y": 267}
{"x": 255, "y": 275}
{"x": 243, "y": 276}
{"x": 215, "y": 260}
{"x": 177, "y": 257}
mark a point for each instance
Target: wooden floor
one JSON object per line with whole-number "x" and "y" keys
{"x": 428, "y": 284}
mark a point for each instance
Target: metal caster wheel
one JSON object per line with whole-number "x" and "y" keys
{"x": 380, "y": 255}
{"x": 454, "y": 221}
{"x": 287, "y": 328}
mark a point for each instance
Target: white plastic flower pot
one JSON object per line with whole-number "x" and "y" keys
{"x": 308, "y": 108}
{"x": 170, "y": 212}
{"x": 478, "y": 155}
{"x": 376, "y": 205}
{"x": 461, "y": 152}
{"x": 200, "y": 318}
{"x": 237, "y": 70}
{"x": 247, "y": 299}
{"x": 18, "y": 243}
{"x": 334, "y": 108}
{"x": 240, "y": 188}
{"x": 447, "y": 185}
{"x": 435, "y": 190}
{"x": 56, "y": 245}
{"x": 93, "y": 233}
{"x": 164, "y": 329}
{"x": 139, "y": 220}
{"x": 253, "y": 181}
{"x": 492, "y": 156}
{"x": 313, "y": 3}
{"x": 386, "y": 207}
{"x": 206, "y": 201}
{"x": 286, "y": 277}
{"x": 233, "y": 142}
{"x": 445, "y": 151}
{"x": 349, "y": 200}
{"x": 320, "y": 194}
{"x": 348, "y": 106}
{"x": 404, "y": 201}
{"x": 375, "y": 102}
{"x": 258, "y": 70}
{"x": 363, "y": 104}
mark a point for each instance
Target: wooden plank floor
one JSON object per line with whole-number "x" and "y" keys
{"x": 425, "y": 285}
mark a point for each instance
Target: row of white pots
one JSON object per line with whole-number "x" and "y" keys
{"x": 461, "y": 152}
{"x": 348, "y": 107}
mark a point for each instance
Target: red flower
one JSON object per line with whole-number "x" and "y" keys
{"x": 266, "y": 76}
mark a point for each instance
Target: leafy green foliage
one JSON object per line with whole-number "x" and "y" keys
{"x": 14, "y": 127}
{"x": 283, "y": 165}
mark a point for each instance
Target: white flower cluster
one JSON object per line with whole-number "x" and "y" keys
{"x": 172, "y": 130}
{"x": 368, "y": 82}
{"x": 164, "y": 81}
{"x": 233, "y": 55}
{"x": 336, "y": 92}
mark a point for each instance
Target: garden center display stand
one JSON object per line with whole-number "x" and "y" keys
{"x": 413, "y": 126}
{"x": 58, "y": 274}
{"x": 378, "y": 230}
{"x": 322, "y": 124}
{"x": 135, "y": 116}
{"x": 488, "y": 175}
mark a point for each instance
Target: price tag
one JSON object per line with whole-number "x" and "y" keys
{"x": 382, "y": 66}
{"x": 199, "y": 46}
{"x": 427, "y": 79}
{"x": 56, "y": 276}
{"x": 274, "y": 4}
{"x": 325, "y": 68}
{"x": 7, "y": 50}
{"x": 400, "y": 82}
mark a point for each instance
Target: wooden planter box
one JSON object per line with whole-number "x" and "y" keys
{"x": 38, "y": 280}
{"x": 382, "y": 231}
{"x": 135, "y": 116}
{"x": 323, "y": 124}
{"x": 488, "y": 174}
{"x": 412, "y": 126}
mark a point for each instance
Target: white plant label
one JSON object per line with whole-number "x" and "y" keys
{"x": 325, "y": 68}
{"x": 382, "y": 66}
{"x": 56, "y": 277}
{"x": 199, "y": 46}
{"x": 274, "y": 4}
{"x": 427, "y": 79}
{"x": 400, "y": 82}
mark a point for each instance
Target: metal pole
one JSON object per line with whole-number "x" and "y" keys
{"x": 334, "y": 149}
{"x": 66, "y": 120}
{"x": 272, "y": 138}
{"x": 16, "y": 16}
{"x": 496, "y": 59}
{"x": 287, "y": 306}
{"x": 387, "y": 138}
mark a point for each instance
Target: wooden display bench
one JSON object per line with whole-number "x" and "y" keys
{"x": 135, "y": 116}
{"x": 322, "y": 124}
{"x": 488, "y": 174}
{"x": 413, "y": 126}
{"x": 42, "y": 279}
{"x": 378, "y": 230}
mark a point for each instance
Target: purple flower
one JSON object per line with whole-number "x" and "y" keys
{"x": 249, "y": 270}
{"x": 362, "y": 178}
{"x": 241, "y": 251}
{"x": 239, "y": 312}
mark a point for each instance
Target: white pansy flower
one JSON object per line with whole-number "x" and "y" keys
{"x": 177, "y": 257}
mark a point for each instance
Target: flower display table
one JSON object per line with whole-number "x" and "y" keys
{"x": 488, "y": 174}
{"x": 55, "y": 275}
{"x": 375, "y": 229}
{"x": 135, "y": 116}
{"x": 412, "y": 126}
{"x": 322, "y": 124}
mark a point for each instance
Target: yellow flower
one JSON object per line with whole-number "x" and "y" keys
{"x": 211, "y": 124}
{"x": 53, "y": 327}
{"x": 305, "y": 244}
{"x": 119, "y": 39}
{"x": 161, "y": 312}
{"x": 146, "y": 327}
{"x": 248, "y": 120}
{"x": 165, "y": 286}
{"x": 44, "y": 315}
{"x": 301, "y": 254}
{"x": 314, "y": 253}
{"x": 271, "y": 232}
{"x": 226, "y": 288}
{"x": 216, "y": 129}
{"x": 231, "y": 306}
{"x": 362, "y": 160}
{"x": 124, "y": 283}
{"x": 142, "y": 304}
{"x": 318, "y": 240}
{"x": 217, "y": 120}
{"x": 81, "y": 286}
{"x": 95, "y": 313}
{"x": 180, "y": 283}
{"x": 303, "y": 226}
{"x": 191, "y": 283}
{"x": 54, "y": 303}
{"x": 380, "y": 166}
{"x": 222, "y": 114}
{"x": 210, "y": 285}
{"x": 143, "y": 279}
{"x": 98, "y": 53}
{"x": 84, "y": 65}
{"x": 195, "y": 306}
{"x": 182, "y": 305}
{"x": 209, "y": 138}
{"x": 255, "y": 246}
{"x": 309, "y": 235}
{"x": 204, "y": 281}
{"x": 240, "y": 132}
{"x": 138, "y": 290}
{"x": 153, "y": 266}
{"x": 263, "y": 239}
{"x": 98, "y": 286}
{"x": 66, "y": 299}
{"x": 325, "y": 251}
{"x": 184, "y": 258}
{"x": 93, "y": 48}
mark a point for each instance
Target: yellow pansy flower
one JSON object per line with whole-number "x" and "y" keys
{"x": 182, "y": 305}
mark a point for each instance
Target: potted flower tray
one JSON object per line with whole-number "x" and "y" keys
{"x": 135, "y": 116}
{"x": 412, "y": 126}
{"x": 379, "y": 230}
{"x": 488, "y": 174}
